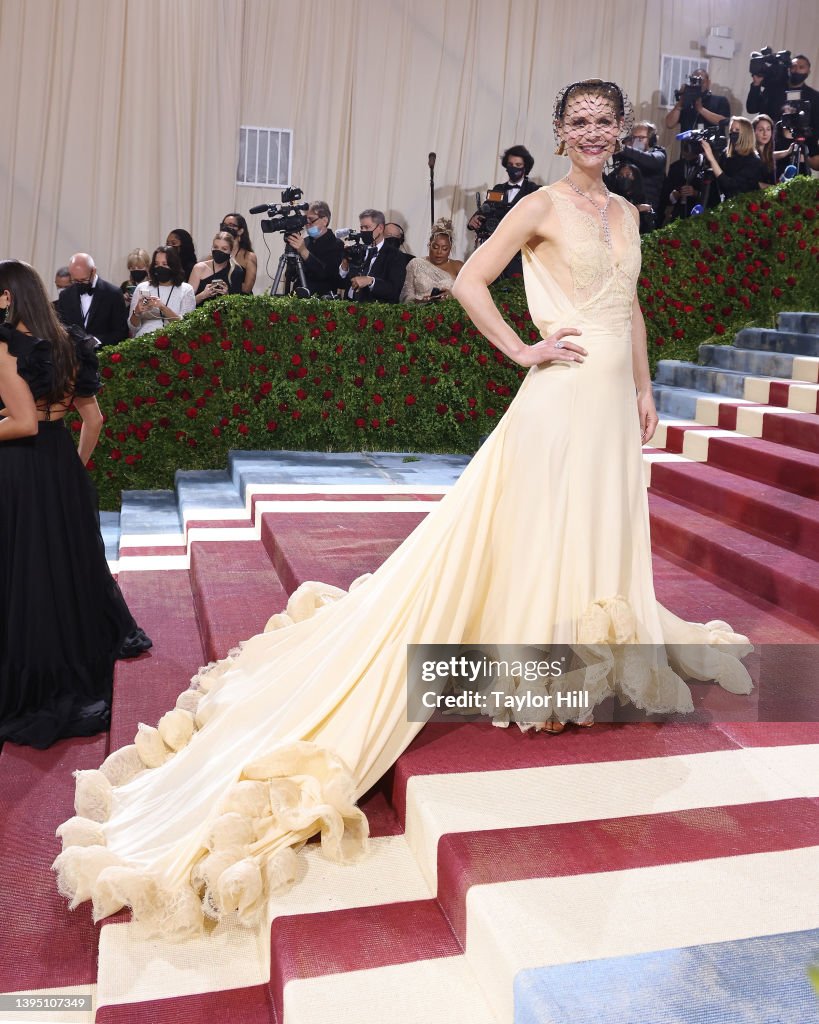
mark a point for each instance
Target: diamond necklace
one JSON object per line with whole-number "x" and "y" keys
{"x": 603, "y": 211}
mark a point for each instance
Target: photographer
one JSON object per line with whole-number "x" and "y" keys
{"x": 626, "y": 181}
{"x": 685, "y": 185}
{"x": 380, "y": 275}
{"x": 740, "y": 170}
{"x": 778, "y": 89}
{"x": 640, "y": 150}
{"x": 518, "y": 162}
{"x": 696, "y": 105}
{"x": 320, "y": 250}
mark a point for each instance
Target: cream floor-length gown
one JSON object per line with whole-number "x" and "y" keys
{"x": 543, "y": 539}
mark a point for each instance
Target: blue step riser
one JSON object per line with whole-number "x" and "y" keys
{"x": 701, "y": 378}
{"x": 675, "y": 402}
{"x": 807, "y": 323}
{"x": 754, "y": 362}
{"x": 793, "y": 342}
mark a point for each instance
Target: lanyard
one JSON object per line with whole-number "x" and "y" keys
{"x": 167, "y": 301}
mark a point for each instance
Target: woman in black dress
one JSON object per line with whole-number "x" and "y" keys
{"x": 218, "y": 276}
{"x": 63, "y": 620}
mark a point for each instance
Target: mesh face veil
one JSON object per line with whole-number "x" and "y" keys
{"x": 591, "y": 114}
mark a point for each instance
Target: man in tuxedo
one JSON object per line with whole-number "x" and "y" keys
{"x": 383, "y": 273}
{"x": 394, "y": 236}
{"x": 93, "y": 304}
{"x": 518, "y": 162}
{"x": 320, "y": 251}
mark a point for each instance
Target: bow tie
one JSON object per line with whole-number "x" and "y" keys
{"x": 85, "y": 289}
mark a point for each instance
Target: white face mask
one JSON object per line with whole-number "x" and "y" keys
{"x": 639, "y": 144}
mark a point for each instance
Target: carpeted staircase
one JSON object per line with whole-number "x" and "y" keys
{"x": 632, "y": 872}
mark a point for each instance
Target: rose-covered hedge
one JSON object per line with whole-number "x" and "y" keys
{"x": 260, "y": 373}
{"x": 705, "y": 278}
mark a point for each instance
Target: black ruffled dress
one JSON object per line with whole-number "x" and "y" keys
{"x": 63, "y": 619}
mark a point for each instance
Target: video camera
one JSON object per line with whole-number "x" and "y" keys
{"x": 286, "y": 216}
{"x": 714, "y": 135}
{"x": 492, "y": 210}
{"x": 356, "y": 246}
{"x": 775, "y": 68}
{"x": 796, "y": 115}
{"x": 690, "y": 92}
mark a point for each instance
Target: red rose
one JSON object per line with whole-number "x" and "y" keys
{"x": 352, "y": 310}
{"x": 292, "y": 319}
{"x": 406, "y": 315}
{"x": 777, "y": 292}
{"x": 266, "y": 387}
{"x": 341, "y": 404}
{"x": 358, "y": 381}
{"x": 162, "y": 341}
{"x": 272, "y": 425}
{"x": 399, "y": 347}
{"x": 191, "y": 413}
{"x": 274, "y": 319}
{"x": 116, "y": 357}
{"x": 243, "y": 428}
{"x": 361, "y": 422}
{"x": 375, "y": 424}
{"x": 409, "y": 400}
{"x": 719, "y": 329}
{"x": 378, "y": 325}
{"x": 378, "y": 399}
{"x": 441, "y": 409}
{"x": 295, "y": 415}
{"x": 215, "y": 431}
{"x": 116, "y": 454}
{"x": 301, "y": 394}
{"x": 330, "y": 325}
{"x": 226, "y": 344}
{"x": 107, "y": 372}
{"x": 248, "y": 325}
{"x": 403, "y": 370}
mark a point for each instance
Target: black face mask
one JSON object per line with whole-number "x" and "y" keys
{"x": 798, "y": 77}
{"x": 163, "y": 274}
{"x": 219, "y": 257}
{"x": 515, "y": 173}
{"x": 85, "y": 289}
{"x": 138, "y": 276}
{"x": 230, "y": 230}
{"x": 393, "y": 242}
{"x": 733, "y": 138}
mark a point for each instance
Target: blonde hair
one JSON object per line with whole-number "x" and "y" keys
{"x": 746, "y": 143}
{"x": 138, "y": 255}
{"x": 443, "y": 226}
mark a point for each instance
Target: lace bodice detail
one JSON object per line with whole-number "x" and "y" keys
{"x": 603, "y": 278}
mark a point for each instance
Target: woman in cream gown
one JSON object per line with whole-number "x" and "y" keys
{"x": 544, "y": 539}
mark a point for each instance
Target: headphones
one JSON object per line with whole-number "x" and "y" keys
{"x": 652, "y": 130}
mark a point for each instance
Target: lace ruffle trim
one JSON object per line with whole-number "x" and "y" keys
{"x": 249, "y": 849}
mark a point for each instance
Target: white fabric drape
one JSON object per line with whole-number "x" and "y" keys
{"x": 121, "y": 118}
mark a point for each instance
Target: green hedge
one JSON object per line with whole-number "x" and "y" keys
{"x": 260, "y": 373}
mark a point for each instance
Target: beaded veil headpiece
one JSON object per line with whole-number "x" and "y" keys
{"x": 610, "y": 91}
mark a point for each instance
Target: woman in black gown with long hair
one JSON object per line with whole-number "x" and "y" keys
{"x": 63, "y": 620}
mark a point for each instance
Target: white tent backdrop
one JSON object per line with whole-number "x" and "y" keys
{"x": 121, "y": 117}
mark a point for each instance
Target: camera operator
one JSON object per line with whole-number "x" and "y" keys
{"x": 740, "y": 170}
{"x": 626, "y": 181}
{"x": 518, "y": 162}
{"x": 684, "y": 185}
{"x": 641, "y": 151}
{"x": 778, "y": 89}
{"x": 380, "y": 277}
{"x": 320, "y": 251}
{"x": 697, "y": 105}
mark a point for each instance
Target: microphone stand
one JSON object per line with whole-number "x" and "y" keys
{"x": 431, "y": 162}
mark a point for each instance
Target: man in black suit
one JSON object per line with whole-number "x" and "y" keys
{"x": 93, "y": 304}
{"x": 320, "y": 251}
{"x": 518, "y": 162}
{"x": 383, "y": 273}
{"x": 791, "y": 96}
{"x": 394, "y": 236}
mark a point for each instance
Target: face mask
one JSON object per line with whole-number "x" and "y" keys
{"x": 313, "y": 231}
{"x": 733, "y": 138}
{"x": 639, "y": 145}
{"x": 137, "y": 276}
{"x": 515, "y": 173}
{"x": 798, "y": 77}
{"x": 219, "y": 257}
{"x": 230, "y": 230}
{"x": 393, "y": 242}
{"x": 86, "y": 288}
{"x": 163, "y": 274}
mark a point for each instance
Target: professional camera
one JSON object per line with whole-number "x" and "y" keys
{"x": 796, "y": 115}
{"x": 493, "y": 209}
{"x": 714, "y": 135}
{"x": 775, "y": 68}
{"x": 690, "y": 92}
{"x": 356, "y": 246}
{"x": 286, "y": 216}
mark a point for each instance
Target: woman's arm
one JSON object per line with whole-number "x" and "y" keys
{"x": 199, "y": 271}
{"x": 527, "y": 220}
{"x": 642, "y": 375}
{"x": 20, "y": 412}
{"x": 135, "y": 309}
{"x": 92, "y": 421}
{"x": 250, "y": 272}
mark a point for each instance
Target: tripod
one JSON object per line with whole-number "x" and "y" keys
{"x": 290, "y": 261}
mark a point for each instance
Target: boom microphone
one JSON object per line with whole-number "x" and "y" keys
{"x": 261, "y": 208}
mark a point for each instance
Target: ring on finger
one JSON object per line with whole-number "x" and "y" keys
{"x": 560, "y": 344}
